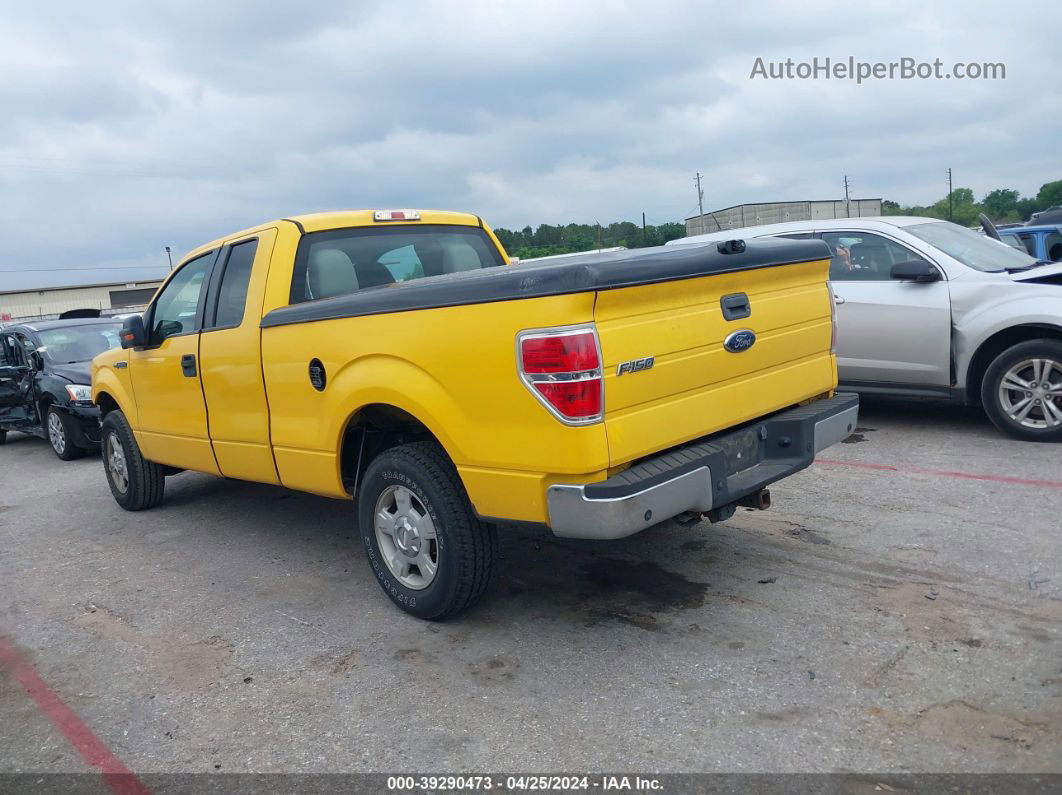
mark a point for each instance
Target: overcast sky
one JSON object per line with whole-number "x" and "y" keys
{"x": 127, "y": 127}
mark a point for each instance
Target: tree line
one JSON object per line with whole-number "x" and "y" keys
{"x": 1001, "y": 205}
{"x": 546, "y": 239}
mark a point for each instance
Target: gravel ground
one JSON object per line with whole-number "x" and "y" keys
{"x": 887, "y": 615}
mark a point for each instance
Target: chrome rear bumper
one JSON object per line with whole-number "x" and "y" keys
{"x": 702, "y": 475}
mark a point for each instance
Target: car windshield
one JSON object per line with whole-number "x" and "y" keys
{"x": 971, "y": 248}
{"x": 78, "y": 343}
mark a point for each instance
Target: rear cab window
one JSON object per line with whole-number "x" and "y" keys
{"x": 235, "y": 279}
{"x": 343, "y": 261}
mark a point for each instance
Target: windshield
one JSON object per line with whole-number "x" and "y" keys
{"x": 970, "y": 248}
{"x": 78, "y": 343}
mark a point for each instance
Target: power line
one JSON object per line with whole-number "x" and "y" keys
{"x": 92, "y": 268}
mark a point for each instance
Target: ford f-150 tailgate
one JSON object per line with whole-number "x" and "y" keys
{"x": 689, "y": 356}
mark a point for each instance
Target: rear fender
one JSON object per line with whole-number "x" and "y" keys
{"x": 397, "y": 382}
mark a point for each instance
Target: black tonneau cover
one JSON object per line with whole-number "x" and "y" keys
{"x": 608, "y": 271}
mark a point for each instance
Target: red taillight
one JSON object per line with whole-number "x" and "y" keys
{"x": 563, "y": 370}
{"x": 568, "y": 353}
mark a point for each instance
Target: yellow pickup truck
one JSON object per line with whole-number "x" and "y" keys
{"x": 396, "y": 357}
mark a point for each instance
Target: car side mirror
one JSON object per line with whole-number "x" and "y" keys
{"x": 133, "y": 334}
{"x": 917, "y": 270}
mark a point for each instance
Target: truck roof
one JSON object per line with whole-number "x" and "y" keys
{"x": 342, "y": 219}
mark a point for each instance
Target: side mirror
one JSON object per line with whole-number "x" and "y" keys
{"x": 133, "y": 334}
{"x": 917, "y": 270}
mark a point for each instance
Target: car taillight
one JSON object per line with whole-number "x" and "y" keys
{"x": 562, "y": 368}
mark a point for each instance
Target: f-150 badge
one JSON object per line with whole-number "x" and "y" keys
{"x": 635, "y": 365}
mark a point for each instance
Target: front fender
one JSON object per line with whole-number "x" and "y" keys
{"x": 980, "y": 311}
{"x": 108, "y": 379}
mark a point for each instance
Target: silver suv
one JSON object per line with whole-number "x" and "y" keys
{"x": 926, "y": 308}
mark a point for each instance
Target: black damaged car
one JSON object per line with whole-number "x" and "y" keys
{"x": 45, "y": 377}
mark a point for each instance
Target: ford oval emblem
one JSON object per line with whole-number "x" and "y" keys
{"x": 740, "y": 341}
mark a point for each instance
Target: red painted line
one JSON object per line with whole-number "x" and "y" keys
{"x": 120, "y": 779}
{"x": 1047, "y": 484}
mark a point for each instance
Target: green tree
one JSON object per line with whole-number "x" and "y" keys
{"x": 1001, "y": 204}
{"x": 1050, "y": 195}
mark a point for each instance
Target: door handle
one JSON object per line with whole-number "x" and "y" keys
{"x": 188, "y": 365}
{"x": 837, "y": 299}
{"x": 735, "y": 306}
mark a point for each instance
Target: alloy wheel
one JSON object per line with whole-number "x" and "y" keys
{"x": 116, "y": 464}
{"x": 406, "y": 537}
{"x": 1030, "y": 393}
{"x": 56, "y": 432}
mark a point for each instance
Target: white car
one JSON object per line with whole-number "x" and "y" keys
{"x": 926, "y": 308}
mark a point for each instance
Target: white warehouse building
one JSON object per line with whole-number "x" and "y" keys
{"x": 49, "y": 302}
{"x": 743, "y": 215}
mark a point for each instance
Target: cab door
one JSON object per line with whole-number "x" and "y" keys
{"x": 230, "y": 360}
{"x": 889, "y": 332}
{"x": 172, "y": 417}
{"x": 14, "y": 408}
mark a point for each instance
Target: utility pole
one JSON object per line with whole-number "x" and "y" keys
{"x": 700, "y": 199}
{"x": 951, "y": 204}
{"x": 169, "y": 257}
{"x": 644, "y": 243}
{"x": 847, "y": 201}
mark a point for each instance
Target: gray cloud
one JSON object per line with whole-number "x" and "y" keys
{"x": 131, "y": 126}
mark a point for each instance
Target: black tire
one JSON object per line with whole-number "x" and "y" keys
{"x": 145, "y": 482}
{"x": 3, "y": 436}
{"x": 62, "y": 442}
{"x": 1050, "y": 408}
{"x": 467, "y": 549}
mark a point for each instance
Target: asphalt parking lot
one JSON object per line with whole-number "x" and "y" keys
{"x": 890, "y": 613}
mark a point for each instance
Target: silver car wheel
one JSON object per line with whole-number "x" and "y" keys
{"x": 56, "y": 432}
{"x": 1030, "y": 393}
{"x": 406, "y": 537}
{"x": 114, "y": 457}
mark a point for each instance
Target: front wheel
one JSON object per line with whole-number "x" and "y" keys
{"x": 428, "y": 550}
{"x": 135, "y": 482}
{"x": 3, "y": 436}
{"x": 1022, "y": 391}
{"x": 60, "y": 434}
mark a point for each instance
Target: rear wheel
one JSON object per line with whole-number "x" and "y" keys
{"x": 3, "y": 436}
{"x": 428, "y": 550}
{"x": 1022, "y": 391}
{"x": 61, "y": 435}
{"x": 135, "y": 482}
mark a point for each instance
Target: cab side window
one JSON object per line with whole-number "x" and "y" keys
{"x": 865, "y": 257}
{"x": 1053, "y": 247}
{"x": 232, "y": 296}
{"x": 177, "y": 307}
{"x": 1029, "y": 241}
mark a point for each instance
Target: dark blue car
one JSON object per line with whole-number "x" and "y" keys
{"x": 44, "y": 381}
